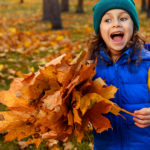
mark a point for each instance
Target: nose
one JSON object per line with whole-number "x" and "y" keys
{"x": 116, "y": 23}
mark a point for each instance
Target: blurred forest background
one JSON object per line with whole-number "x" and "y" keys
{"x": 32, "y": 32}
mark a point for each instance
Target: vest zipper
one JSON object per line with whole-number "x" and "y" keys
{"x": 118, "y": 121}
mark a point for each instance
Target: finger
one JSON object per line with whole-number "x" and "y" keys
{"x": 143, "y": 117}
{"x": 143, "y": 111}
{"x": 140, "y": 125}
{"x": 142, "y": 122}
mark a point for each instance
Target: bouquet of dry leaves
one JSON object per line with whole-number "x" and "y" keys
{"x": 57, "y": 102}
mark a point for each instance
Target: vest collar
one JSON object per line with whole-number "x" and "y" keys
{"x": 145, "y": 54}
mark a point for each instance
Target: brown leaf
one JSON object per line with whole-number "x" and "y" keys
{"x": 51, "y": 101}
{"x": 12, "y": 119}
{"x": 35, "y": 141}
{"x": 78, "y": 132}
{"x": 79, "y": 58}
{"x": 56, "y": 61}
{"x": 19, "y": 133}
{"x": 95, "y": 115}
{"x": 13, "y": 96}
{"x": 76, "y": 98}
{"x": 33, "y": 88}
{"x": 100, "y": 87}
{"x": 77, "y": 118}
{"x": 48, "y": 72}
{"x": 70, "y": 119}
{"x": 116, "y": 110}
{"x": 65, "y": 74}
{"x": 88, "y": 101}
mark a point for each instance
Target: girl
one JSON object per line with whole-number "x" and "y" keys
{"x": 124, "y": 63}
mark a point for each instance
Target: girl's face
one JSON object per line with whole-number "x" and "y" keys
{"x": 116, "y": 29}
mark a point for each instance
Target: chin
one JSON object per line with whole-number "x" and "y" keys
{"x": 118, "y": 48}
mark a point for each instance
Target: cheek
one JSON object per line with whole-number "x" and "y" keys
{"x": 104, "y": 37}
{"x": 104, "y": 33}
{"x": 129, "y": 30}
{"x": 130, "y": 33}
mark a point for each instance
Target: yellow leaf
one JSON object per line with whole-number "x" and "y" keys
{"x": 48, "y": 72}
{"x": 76, "y": 99}
{"x": 28, "y": 32}
{"x": 53, "y": 43}
{"x": 100, "y": 87}
{"x": 1, "y": 66}
{"x": 116, "y": 110}
{"x": 20, "y": 74}
{"x": 37, "y": 50}
{"x": 59, "y": 38}
{"x": 13, "y": 30}
{"x": 32, "y": 69}
{"x": 35, "y": 141}
{"x": 56, "y": 147}
{"x": 77, "y": 118}
{"x": 27, "y": 43}
{"x": 149, "y": 79}
{"x": 89, "y": 100}
{"x": 1, "y": 34}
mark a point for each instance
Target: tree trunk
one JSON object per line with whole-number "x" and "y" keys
{"x": 64, "y": 5}
{"x": 148, "y": 9}
{"x": 51, "y": 12}
{"x": 80, "y": 6}
{"x": 46, "y": 10}
{"x": 21, "y": 1}
{"x": 143, "y": 6}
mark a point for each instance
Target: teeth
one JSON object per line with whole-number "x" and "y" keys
{"x": 119, "y": 33}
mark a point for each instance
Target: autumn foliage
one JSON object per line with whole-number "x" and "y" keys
{"x": 57, "y": 102}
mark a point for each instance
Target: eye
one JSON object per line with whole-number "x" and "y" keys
{"x": 108, "y": 20}
{"x": 123, "y": 19}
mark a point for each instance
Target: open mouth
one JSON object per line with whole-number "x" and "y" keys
{"x": 117, "y": 36}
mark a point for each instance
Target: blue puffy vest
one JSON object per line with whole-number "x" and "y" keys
{"x": 132, "y": 94}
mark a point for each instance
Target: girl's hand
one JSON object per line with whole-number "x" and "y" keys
{"x": 142, "y": 117}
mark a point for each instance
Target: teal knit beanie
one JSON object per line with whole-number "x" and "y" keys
{"x": 104, "y": 5}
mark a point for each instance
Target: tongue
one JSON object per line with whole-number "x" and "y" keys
{"x": 117, "y": 38}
